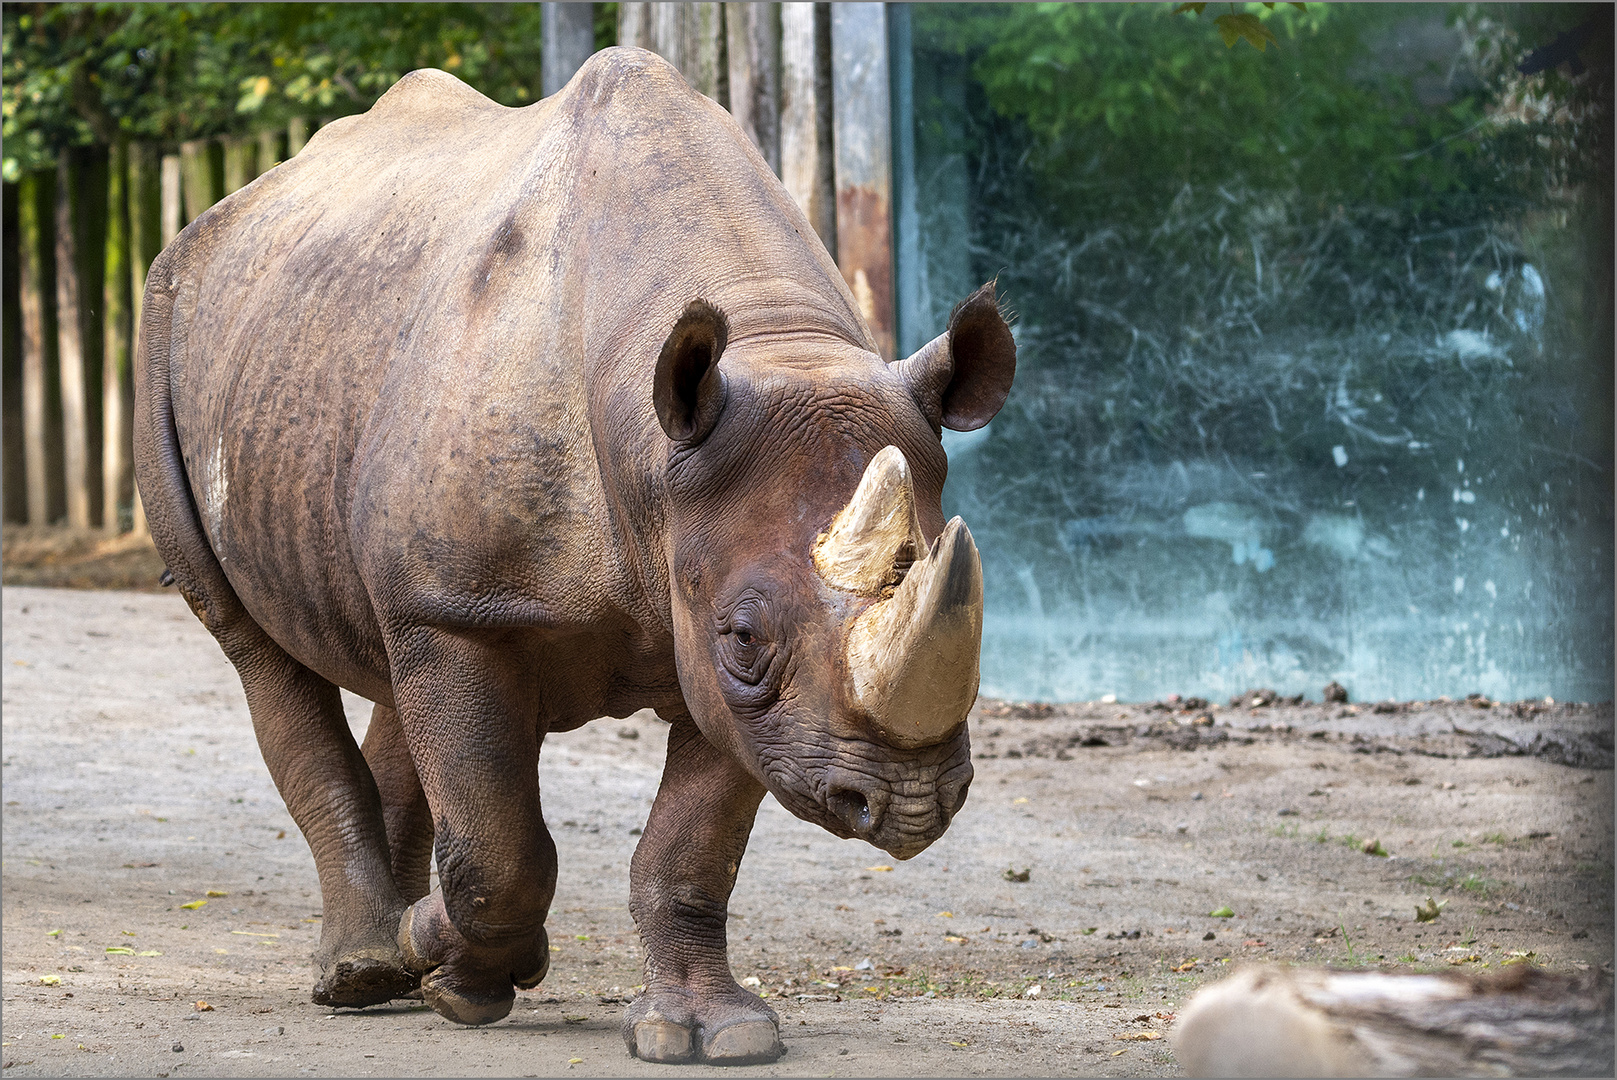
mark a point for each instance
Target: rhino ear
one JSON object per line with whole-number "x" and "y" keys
{"x": 688, "y": 389}
{"x": 961, "y": 377}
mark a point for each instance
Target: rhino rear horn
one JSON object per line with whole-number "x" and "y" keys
{"x": 688, "y": 389}
{"x": 875, "y": 538}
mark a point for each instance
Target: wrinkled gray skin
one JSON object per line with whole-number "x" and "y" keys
{"x": 402, "y": 428}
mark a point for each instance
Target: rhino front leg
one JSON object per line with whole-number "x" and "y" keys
{"x": 680, "y": 881}
{"x": 466, "y": 707}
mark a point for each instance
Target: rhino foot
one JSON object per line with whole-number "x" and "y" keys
{"x": 453, "y": 999}
{"x": 669, "y": 1028}
{"x": 357, "y": 981}
{"x": 459, "y": 983}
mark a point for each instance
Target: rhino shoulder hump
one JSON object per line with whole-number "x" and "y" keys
{"x": 428, "y": 90}
{"x": 610, "y": 70}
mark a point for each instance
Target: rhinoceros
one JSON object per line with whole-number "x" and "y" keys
{"x": 509, "y": 419}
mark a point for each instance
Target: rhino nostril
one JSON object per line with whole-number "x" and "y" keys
{"x": 853, "y": 808}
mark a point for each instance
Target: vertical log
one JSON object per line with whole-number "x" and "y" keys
{"x": 240, "y": 152}
{"x": 567, "y": 38}
{"x": 910, "y": 321}
{"x": 198, "y": 186}
{"x": 172, "y": 219}
{"x": 70, "y": 352}
{"x": 297, "y": 136}
{"x": 145, "y": 231}
{"x": 806, "y": 164}
{"x": 42, "y": 452}
{"x": 269, "y": 150}
{"x": 117, "y": 391}
{"x": 860, "y": 104}
{"x": 14, "y": 479}
{"x": 689, "y": 36}
{"x": 752, "y": 40}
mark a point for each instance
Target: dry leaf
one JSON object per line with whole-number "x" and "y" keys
{"x": 879, "y": 869}
{"x": 120, "y": 950}
{"x": 50, "y": 980}
{"x": 203, "y": 1006}
{"x": 1139, "y": 1036}
{"x": 193, "y": 905}
{"x": 215, "y": 893}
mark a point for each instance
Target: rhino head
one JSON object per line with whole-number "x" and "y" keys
{"x": 827, "y": 622}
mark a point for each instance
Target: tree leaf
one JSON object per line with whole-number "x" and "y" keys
{"x": 1180, "y": 9}
{"x": 1244, "y": 25}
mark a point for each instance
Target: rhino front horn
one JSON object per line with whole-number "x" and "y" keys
{"x": 911, "y": 656}
{"x": 912, "y": 659}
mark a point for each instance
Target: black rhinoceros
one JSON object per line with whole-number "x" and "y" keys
{"x": 508, "y": 419}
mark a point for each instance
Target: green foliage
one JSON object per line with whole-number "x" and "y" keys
{"x": 77, "y": 73}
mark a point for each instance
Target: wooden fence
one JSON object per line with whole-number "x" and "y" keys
{"x": 808, "y": 82}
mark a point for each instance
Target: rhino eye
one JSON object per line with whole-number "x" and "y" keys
{"x": 744, "y": 637}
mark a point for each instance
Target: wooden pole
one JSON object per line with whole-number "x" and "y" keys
{"x": 860, "y": 103}
{"x": 70, "y": 352}
{"x": 239, "y": 164}
{"x": 198, "y": 187}
{"x": 117, "y": 389}
{"x": 567, "y": 38}
{"x": 269, "y": 150}
{"x": 12, "y": 455}
{"x": 145, "y": 231}
{"x": 806, "y": 164}
{"x": 752, "y": 41}
{"x": 689, "y": 36}
{"x": 297, "y": 136}
{"x": 42, "y": 460}
{"x": 172, "y": 216}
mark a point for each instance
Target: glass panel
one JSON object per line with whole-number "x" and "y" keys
{"x": 1315, "y": 343}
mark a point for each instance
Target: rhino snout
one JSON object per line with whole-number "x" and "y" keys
{"x": 902, "y": 819}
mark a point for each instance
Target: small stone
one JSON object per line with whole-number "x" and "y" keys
{"x": 178, "y": 1049}
{"x": 276, "y": 1030}
{"x": 1183, "y": 826}
{"x": 1286, "y": 811}
{"x": 1196, "y": 796}
{"x": 1209, "y": 936}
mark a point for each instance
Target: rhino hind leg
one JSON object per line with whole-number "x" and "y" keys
{"x": 329, "y": 791}
{"x": 680, "y": 882}
{"x": 404, "y": 803}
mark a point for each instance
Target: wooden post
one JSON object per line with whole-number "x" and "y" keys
{"x": 239, "y": 164}
{"x": 172, "y": 217}
{"x": 567, "y": 38}
{"x": 198, "y": 187}
{"x": 145, "y": 231}
{"x": 14, "y": 480}
{"x": 41, "y": 452}
{"x": 269, "y": 150}
{"x": 117, "y": 389}
{"x": 910, "y": 323}
{"x": 689, "y": 36}
{"x": 297, "y": 136}
{"x": 70, "y": 352}
{"x": 860, "y": 102}
{"x": 806, "y": 162}
{"x": 752, "y": 40}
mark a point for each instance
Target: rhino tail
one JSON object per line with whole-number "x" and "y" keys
{"x": 160, "y": 472}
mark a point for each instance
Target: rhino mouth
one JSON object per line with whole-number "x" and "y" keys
{"x": 900, "y": 805}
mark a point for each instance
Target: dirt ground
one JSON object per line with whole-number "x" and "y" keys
{"x": 133, "y": 791}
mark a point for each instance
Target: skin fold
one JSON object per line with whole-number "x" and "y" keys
{"x": 508, "y": 419}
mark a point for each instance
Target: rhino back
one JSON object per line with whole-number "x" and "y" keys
{"x": 413, "y": 382}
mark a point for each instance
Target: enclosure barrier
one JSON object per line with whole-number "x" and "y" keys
{"x": 808, "y": 84}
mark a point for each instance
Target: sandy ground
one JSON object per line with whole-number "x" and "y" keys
{"x": 133, "y": 789}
